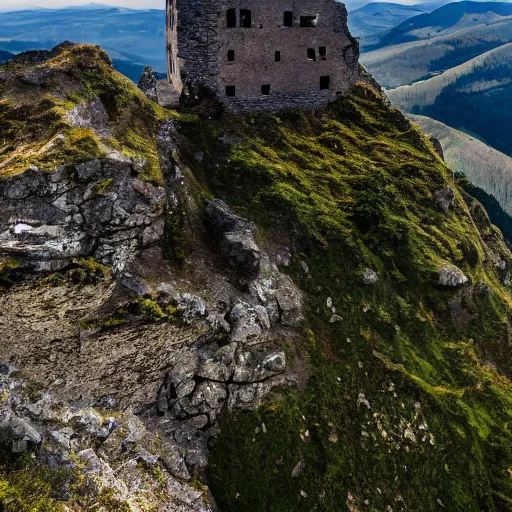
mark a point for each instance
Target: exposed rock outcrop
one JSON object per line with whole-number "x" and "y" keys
{"x": 147, "y": 83}
{"x": 98, "y": 208}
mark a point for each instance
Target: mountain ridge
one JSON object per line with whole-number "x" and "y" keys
{"x": 442, "y": 19}
{"x": 303, "y": 309}
{"x": 407, "y": 63}
{"x": 465, "y": 96}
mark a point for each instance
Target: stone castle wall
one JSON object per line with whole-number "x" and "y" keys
{"x": 288, "y": 61}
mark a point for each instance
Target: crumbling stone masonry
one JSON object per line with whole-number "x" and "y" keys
{"x": 261, "y": 54}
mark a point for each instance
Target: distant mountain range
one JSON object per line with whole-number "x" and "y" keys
{"x": 446, "y": 20}
{"x": 407, "y": 63}
{"x": 375, "y": 19}
{"x": 475, "y": 96}
{"x": 133, "y": 38}
{"x": 4, "y": 56}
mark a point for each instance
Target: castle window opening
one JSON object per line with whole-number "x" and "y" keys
{"x": 324, "y": 82}
{"x": 322, "y": 51}
{"x": 265, "y": 89}
{"x": 311, "y": 54}
{"x": 278, "y": 56}
{"x": 308, "y": 21}
{"x": 231, "y": 55}
{"x": 230, "y": 90}
{"x": 245, "y": 18}
{"x": 231, "y": 18}
{"x": 288, "y": 19}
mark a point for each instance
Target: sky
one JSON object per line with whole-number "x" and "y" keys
{"x": 6, "y": 5}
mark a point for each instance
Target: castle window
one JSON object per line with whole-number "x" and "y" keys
{"x": 231, "y": 55}
{"x": 311, "y": 54}
{"x": 265, "y": 89}
{"x": 322, "y": 51}
{"x": 278, "y": 56}
{"x": 231, "y": 18}
{"x": 288, "y": 19}
{"x": 230, "y": 90}
{"x": 245, "y": 18}
{"x": 308, "y": 21}
{"x": 324, "y": 82}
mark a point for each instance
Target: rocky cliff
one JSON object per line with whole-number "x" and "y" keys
{"x": 271, "y": 312}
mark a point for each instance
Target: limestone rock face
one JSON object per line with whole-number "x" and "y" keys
{"x": 113, "y": 455}
{"x": 96, "y": 208}
{"x": 134, "y": 368}
{"x": 236, "y": 235}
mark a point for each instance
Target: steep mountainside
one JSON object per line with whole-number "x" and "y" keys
{"x": 447, "y": 19}
{"x": 475, "y": 96}
{"x": 340, "y": 343}
{"x": 406, "y": 63}
{"x": 485, "y": 168}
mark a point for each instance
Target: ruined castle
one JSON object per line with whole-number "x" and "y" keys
{"x": 261, "y": 54}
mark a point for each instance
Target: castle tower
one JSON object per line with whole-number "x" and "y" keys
{"x": 261, "y": 54}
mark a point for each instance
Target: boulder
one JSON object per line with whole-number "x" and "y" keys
{"x": 191, "y": 306}
{"x": 220, "y": 217}
{"x": 242, "y": 253}
{"x": 90, "y": 461}
{"x": 451, "y": 276}
{"x": 369, "y": 276}
{"x": 438, "y": 148}
{"x": 289, "y": 302}
{"x": 445, "y": 198}
{"x": 248, "y": 369}
{"x": 245, "y": 323}
{"x": 19, "y": 433}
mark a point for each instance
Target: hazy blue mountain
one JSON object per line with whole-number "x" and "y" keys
{"x": 406, "y": 63}
{"x": 376, "y": 18}
{"x": 136, "y": 37}
{"x": 425, "y": 6}
{"x": 447, "y": 19}
{"x": 4, "y": 56}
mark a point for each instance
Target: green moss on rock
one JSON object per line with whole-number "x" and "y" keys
{"x": 35, "y": 128}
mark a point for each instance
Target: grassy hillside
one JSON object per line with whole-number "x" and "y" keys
{"x": 38, "y": 106}
{"x": 404, "y": 400}
{"x": 408, "y": 405}
{"x": 447, "y": 19}
{"x": 475, "y": 96}
{"x": 406, "y": 63}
